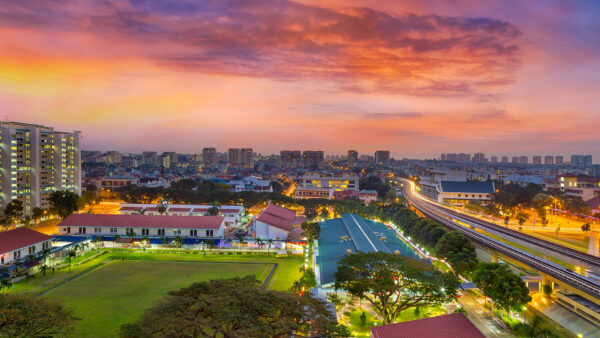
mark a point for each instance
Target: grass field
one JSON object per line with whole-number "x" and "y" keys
{"x": 120, "y": 291}
{"x": 107, "y": 295}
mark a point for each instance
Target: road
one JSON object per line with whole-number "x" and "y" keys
{"x": 576, "y": 281}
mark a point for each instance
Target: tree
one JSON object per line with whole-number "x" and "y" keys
{"x": 13, "y": 211}
{"x": 116, "y": 239}
{"x": 22, "y": 316}
{"x": 310, "y": 213}
{"x": 178, "y": 241}
{"x": 97, "y": 242}
{"x": 37, "y": 213}
{"x": 394, "y": 283}
{"x": 522, "y": 217}
{"x": 70, "y": 254}
{"x": 586, "y": 228}
{"x": 547, "y": 289}
{"x": 311, "y": 230}
{"x": 505, "y": 288}
{"x": 458, "y": 251}
{"x": 324, "y": 213}
{"x": 214, "y": 209}
{"x": 237, "y": 307}
{"x": 63, "y": 203}
{"x": 161, "y": 208}
{"x": 269, "y": 244}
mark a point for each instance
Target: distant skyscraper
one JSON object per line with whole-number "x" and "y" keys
{"x": 234, "y": 157}
{"x": 209, "y": 157}
{"x": 35, "y": 161}
{"x": 548, "y": 160}
{"x": 523, "y": 160}
{"x": 150, "y": 158}
{"x": 478, "y": 158}
{"x": 352, "y": 156}
{"x": 559, "y": 160}
{"x": 443, "y": 157}
{"x": 382, "y": 157}
{"x": 247, "y": 158}
{"x": 452, "y": 157}
{"x": 462, "y": 157}
{"x": 494, "y": 159}
{"x": 515, "y": 160}
{"x": 581, "y": 160}
{"x": 504, "y": 159}
{"x": 312, "y": 159}
{"x": 290, "y": 159}
{"x": 536, "y": 160}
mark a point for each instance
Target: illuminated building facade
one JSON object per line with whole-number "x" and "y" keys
{"x": 37, "y": 160}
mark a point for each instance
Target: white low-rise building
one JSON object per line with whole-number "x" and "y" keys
{"x": 278, "y": 223}
{"x": 16, "y": 244}
{"x": 200, "y": 227}
{"x": 233, "y": 213}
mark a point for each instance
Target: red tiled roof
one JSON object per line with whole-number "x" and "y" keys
{"x": 143, "y": 221}
{"x": 447, "y": 326}
{"x": 221, "y": 210}
{"x": 179, "y": 209}
{"x": 278, "y": 217}
{"x": 594, "y": 203}
{"x": 130, "y": 208}
{"x": 11, "y": 240}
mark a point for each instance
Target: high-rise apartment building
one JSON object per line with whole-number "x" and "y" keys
{"x": 234, "y": 157}
{"x": 478, "y": 158}
{"x": 37, "y": 160}
{"x": 536, "y": 160}
{"x": 515, "y": 160}
{"x": 209, "y": 157}
{"x": 559, "y": 160}
{"x": 581, "y": 160}
{"x": 290, "y": 159}
{"x": 548, "y": 160}
{"x": 494, "y": 159}
{"x": 452, "y": 157}
{"x": 504, "y": 159}
{"x": 443, "y": 157}
{"x": 352, "y": 156}
{"x": 523, "y": 160}
{"x": 463, "y": 158}
{"x": 382, "y": 157}
{"x": 247, "y": 158}
{"x": 312, "y": 159}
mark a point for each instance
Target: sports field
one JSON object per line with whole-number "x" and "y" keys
{"x": 108, "y": 291}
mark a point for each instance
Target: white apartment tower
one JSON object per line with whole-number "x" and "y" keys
{"x": 35, "y": 161}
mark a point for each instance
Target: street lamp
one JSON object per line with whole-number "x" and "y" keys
{"x": 525, "y": 313}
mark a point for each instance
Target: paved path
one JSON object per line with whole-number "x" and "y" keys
{"x": 490, "y": 325}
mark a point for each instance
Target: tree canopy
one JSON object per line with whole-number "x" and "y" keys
{"x": 22, "y": 316}
{"x": 505, "y": 288}
{"x": 393, "y": 283}
{"x": 458, "y": 251}
{"x": 311, "y": 230}
{"x": 63, "y": 203}
{"x": 237, "y": 307}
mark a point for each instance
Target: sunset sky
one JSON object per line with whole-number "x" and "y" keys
{"x": 416, "y": 77}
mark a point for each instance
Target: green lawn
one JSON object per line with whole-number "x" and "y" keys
{"x": 120, "y": 291}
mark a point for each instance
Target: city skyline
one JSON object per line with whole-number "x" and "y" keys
{"x": 419, "y": 79}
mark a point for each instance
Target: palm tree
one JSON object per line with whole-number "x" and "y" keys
{"x": 214, "y": 210}
{"x": 259, "y": 242}
{"x": 18, "y": 266}
{"x": 178, "y": 241}
{"x": 270, "y": 242}
{"x": 5, "y": 283}
{"x": 161, "y": 208}
{"x": 70, "y": 254}
{"x": 296, "y": 287}
{"x": 44, "y": 254}
{"x": 97, "y": 241}
{"x": 163, "y": 241}
{"x": 145, "y": 241}
{"x": 117, "y": 238}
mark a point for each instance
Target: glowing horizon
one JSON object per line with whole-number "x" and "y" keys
{"x": 417, "y": 78}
